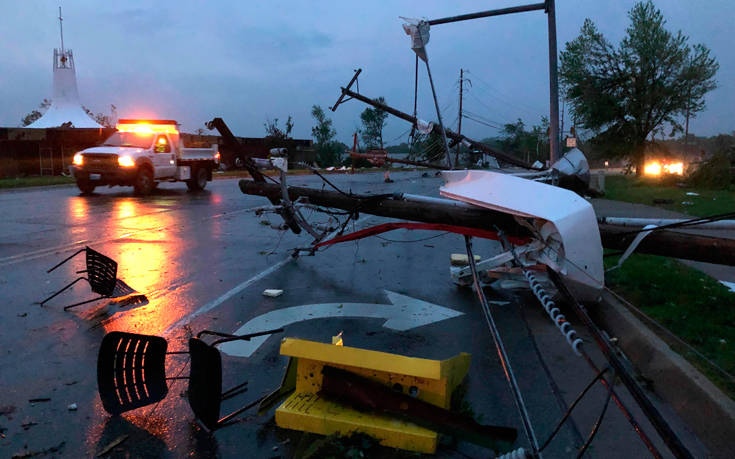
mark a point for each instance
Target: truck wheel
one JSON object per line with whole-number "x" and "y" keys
{"x": 85, "y": 186}
{"x": 143, "y": 182}
{"x": 198, "y": 179}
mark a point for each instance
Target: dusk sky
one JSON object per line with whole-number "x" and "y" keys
{"x": 249, "y": 61}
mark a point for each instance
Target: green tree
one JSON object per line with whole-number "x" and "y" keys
{"x": 35, "y": 114}
{"x": 101, "y": 118}
{"x": 527, "y": 145}
{"x": 373, "y": 122}
{"x": 274, "y": 132}
{"x": 647, "y": 83}
{"x": 328, "y": 152}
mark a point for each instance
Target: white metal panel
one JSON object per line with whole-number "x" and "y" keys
{"x": 571, "y": 215}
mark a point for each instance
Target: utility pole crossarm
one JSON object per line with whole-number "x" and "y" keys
{"x": 349, "y": 85}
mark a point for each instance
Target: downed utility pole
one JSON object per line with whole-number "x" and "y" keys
{"x": 233, "y": 144}
{"x": 500, "y": 155}
{"x": 388, "y": 159}
{"x": 439, "y": 210}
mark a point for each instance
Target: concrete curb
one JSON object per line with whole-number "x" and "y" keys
{"x": 708, "y": 412}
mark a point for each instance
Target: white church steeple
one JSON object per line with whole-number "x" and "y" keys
{"x": 65, "y": 107}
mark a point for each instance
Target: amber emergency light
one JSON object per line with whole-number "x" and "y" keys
{"x": 148, "y": 126}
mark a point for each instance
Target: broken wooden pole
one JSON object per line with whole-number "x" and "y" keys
{"x": 399, "y": 205}
{"x": 674, "y": 244}
{"x": 500, "y": 155}
{"x": 438, "y": 210}
{"x": 388, "y": 159}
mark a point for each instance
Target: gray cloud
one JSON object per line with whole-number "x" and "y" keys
{"x": 248, "y": 61}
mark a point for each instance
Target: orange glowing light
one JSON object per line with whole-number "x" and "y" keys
{"x": 147, "y": 127}
{"x": 674, "y": 168}
{"x": 653, "y": 168}
{"x": 656, "y": 168}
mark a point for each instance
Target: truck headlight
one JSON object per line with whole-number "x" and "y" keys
{"x": 125, "y": 161}
{"x": 78, "y": 159}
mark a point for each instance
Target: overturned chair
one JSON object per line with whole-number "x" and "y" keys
{"x": 101, "y": 274}
{"x": 131, "y": 373}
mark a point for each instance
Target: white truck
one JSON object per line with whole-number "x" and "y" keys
{"x": 141, "y": 154}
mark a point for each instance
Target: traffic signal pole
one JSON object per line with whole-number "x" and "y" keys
{"x": 550, "y": 8}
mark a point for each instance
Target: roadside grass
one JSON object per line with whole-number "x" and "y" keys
{"x": 690, "y": 304}
{"x": 644, "y": 190}
{"x": 23, "y": 182}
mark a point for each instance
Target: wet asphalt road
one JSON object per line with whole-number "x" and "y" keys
{"x": 200, "y": 259}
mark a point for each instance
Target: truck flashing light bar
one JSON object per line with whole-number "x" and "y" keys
{"x": 148, "y": 126}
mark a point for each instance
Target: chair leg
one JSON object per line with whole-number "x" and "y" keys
{"x": 229, "y": 418}
{"x": 231, "y": 392}
{"x": 67, "y": 259}
{"x": 63, "y": 289}
{"x": 228, "y": 337}
{"x": 66, "y": 308}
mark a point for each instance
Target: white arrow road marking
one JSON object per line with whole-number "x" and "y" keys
{"x": 404, "y": 313}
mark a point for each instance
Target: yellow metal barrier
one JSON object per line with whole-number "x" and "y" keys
{"x": 430, "y": 380}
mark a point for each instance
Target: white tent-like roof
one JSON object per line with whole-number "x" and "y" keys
{"x": 65, "y": 107}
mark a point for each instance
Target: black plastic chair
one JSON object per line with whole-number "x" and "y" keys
{"x": 101, "y": 275}
{"x": 131, "y": 371}
{"x": 131, "y": 374}
{"x": 205, "y": 380}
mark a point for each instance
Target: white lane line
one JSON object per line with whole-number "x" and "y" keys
{"x": 239, "y": 288}
{"x": 227, "y": 295}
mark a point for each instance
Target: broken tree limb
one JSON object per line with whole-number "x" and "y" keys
{"x": 500, "y": 155}
{"x": 439, "y": 210}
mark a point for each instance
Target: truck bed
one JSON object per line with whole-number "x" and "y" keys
{"x": 198, "y": 154}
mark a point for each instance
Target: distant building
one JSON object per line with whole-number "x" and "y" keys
{"x": 47, "y": 145}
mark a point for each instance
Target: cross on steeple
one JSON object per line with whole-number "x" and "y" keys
{"x": 61, "y": 29}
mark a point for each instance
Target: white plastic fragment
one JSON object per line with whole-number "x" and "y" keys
{"x": 72, "y": 407}
{"x": 272, "y": 292}
{"x": 461, "y": 259}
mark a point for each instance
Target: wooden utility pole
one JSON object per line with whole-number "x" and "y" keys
{"x": 459, "y": 127}
{"x": 440, "y": 210}
{"x": 554, "y": 150}
{"x": 686, "y": 129}
{"x": 561, "y": 129}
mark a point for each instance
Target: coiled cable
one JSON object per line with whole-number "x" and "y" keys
{"x": 554, "y": 312}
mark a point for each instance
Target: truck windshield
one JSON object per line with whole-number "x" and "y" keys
{"x": 130, "y": 139}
